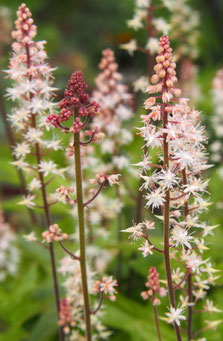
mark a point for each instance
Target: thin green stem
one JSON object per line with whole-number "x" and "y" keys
{"x": 81, "y": 225}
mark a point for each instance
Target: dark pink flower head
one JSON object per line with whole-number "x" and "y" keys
{"x": 153, "y": 280}
{"x": 65, "y": 316}
{"x": 153, "y": 286}
{"x": 25, "y": 29}
{"x": 75, "y": 98}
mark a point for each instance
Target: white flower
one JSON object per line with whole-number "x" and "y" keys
{"x": 120, "y": 161}
{"x": 28, "y": 201}
{"x": 207, "y": 229}
{"x": 131, "y": 46}
{"x": 13, "y": 93}
{"x": 21, "y": 150}
{"x": 142, "y": 3}
{"x": 161, "y": 25}
{"x": 167, "y": 178}
{"x": 126, "y": 136}
{"x": 107, "y": 146}
{"x": 135, "y": 22}
{"x": 47, "y": 167}
{"x": 34, "y": 185}
{"x": 123, "y": 112}
{"x": 53, "y": 144}
{"x": 31, "y": 237}
{"x": 20, "y": 164}
{"x": 113, "y": 179}
{"x": 136, "y": 231}
{"x": 146, "y": 249}
{"x": 33, "y": 135}
{"x": 108, "y": 286}
{"x": 193, "y": 261}
{"x": 145, "y": 163}
{"x": 152, "y": 45}
{"x": 181, "y": 237}
{"x": 213, "y": 324}
{"x": 175, "y": 315}
{"x": 210, "y": 308}
{"x": 155, "y": 199}
{"x": 140, "y": 84}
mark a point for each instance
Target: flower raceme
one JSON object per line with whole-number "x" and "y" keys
{"x": 153, "y": 286}
{"x": 32, "y": 90}
{"x": 77, "y": 110}
{"x": 174, "y": 184}
{"x": 116, "y": 110}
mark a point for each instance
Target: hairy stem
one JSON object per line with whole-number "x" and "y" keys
{"x": 81, "y": 225}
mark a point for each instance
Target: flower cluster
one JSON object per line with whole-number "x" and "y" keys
{"x": 65, "y": 316}
{"x": 106, "y": 286}
{"x": 182, "y": 26}
{"x": 176, "y": 182}
{"x": 75, "y": 98}
{"x": 116, "y": 109}
{"x": 154, "y": 287}
{"x": 54, "y": 234}
{"x": 33, "y": 91}
{"x": 9, "y": 254}
{"x": 74, "y": 299}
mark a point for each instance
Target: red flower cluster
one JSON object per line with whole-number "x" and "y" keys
{"x": 154, "y": 287}
{"x": 65, "y": 316}
{"x": 75, "y": 97}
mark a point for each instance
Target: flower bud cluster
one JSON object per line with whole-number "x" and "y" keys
{"x": 70, "y": 269}
{"x": 64, "y": 193}
{"x": 116, "y": 108}
{"x": 101, "y": 178}
{"x": 75, "y": 98}
{"x": 154, "y": 287}
{"x": 107, "y": 286}
{"x": 54, "y": 234}
{"x": 25, "y": 29}
{"x": 65, "y": 316}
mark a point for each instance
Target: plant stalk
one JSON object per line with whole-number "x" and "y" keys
{"x": 189, "y": 278}
{"x": 81, "y": 225}
{"x": 46, "y": 210}
{"x": 167, "y": 225}
{"x": 157, "y": 323}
